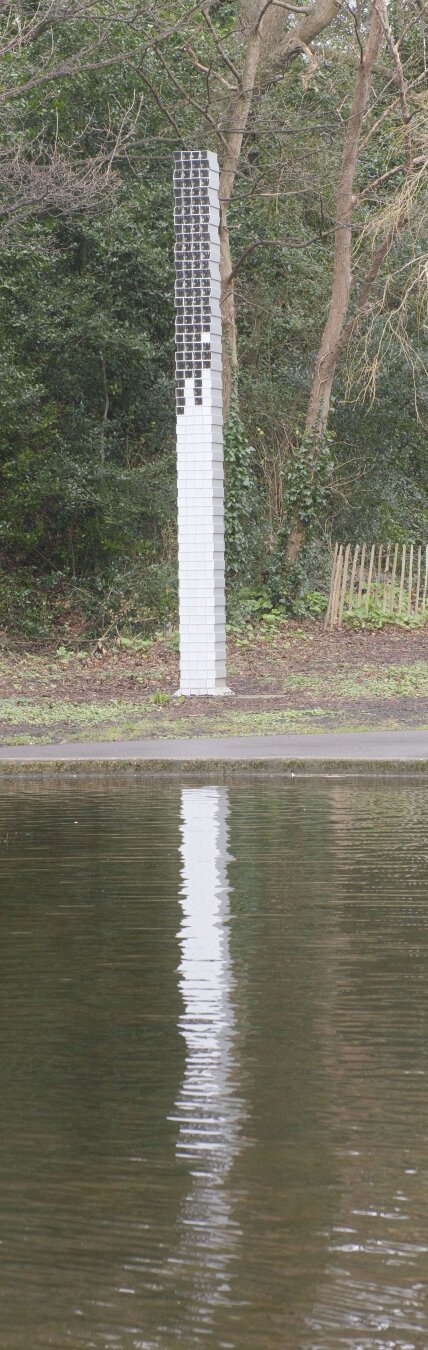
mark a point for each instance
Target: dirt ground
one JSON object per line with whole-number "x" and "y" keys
{"x": 294, "y": 676}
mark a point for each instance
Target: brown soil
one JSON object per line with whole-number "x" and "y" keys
{"x": 343, "y": 683}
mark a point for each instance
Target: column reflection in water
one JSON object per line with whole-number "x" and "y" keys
{"x": 208, "y": 1109}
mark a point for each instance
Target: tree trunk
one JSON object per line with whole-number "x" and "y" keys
{"x": 325, "y": 365}
{"x": 228, "y": 313}
{"x": 262, "y": 42}
{"x": 331, "y": 345}
{"x": 239, "y": 118}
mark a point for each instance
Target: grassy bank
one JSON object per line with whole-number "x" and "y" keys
{"x": 292, "y": 678}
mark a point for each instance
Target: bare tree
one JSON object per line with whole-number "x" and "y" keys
{"x": 270, "y": 45}
{"x": 340, "y": 323}
{"x": 42, "y": 177}
{"x": 36, "y": 174}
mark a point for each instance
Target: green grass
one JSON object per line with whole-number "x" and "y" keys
{"x": 22, "y": 721}
{"x": 343, "y": 700}
{"x": 393, "y": 681}
{"x": 368, "y": 682}
{"x": 20, "y": 711}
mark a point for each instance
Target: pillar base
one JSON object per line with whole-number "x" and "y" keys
{"x": 219, "y": 692}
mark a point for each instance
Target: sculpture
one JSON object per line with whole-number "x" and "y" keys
{"x": 200, "y": 475}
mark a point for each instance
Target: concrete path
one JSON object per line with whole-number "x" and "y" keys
{"x": 405, "y": 747}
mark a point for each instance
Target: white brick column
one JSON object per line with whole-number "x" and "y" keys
{"x": 199, "y": 425}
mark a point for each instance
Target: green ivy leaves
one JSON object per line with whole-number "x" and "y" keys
{"x": 309, "y": 472}
{"x": 239, "y": 494}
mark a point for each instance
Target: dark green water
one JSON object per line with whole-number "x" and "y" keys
{"x": 213, "y": 1067}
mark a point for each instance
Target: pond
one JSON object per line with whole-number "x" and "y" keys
{"x": 213, "y": 1065}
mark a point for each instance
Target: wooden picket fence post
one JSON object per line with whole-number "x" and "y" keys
{"x": 392, "y": 579}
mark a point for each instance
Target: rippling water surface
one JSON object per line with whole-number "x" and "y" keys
{"x": 213, "y": 1067}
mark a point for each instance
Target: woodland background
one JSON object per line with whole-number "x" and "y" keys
{"x": 319, "y": 115}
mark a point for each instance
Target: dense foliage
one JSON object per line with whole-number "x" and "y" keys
{"x": 87, "y": 519}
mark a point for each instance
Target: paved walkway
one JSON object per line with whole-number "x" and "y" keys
{"x": 406, "y": 746}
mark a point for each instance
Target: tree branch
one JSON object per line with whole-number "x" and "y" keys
{"x": 367, "y": 286}
{"x": 261, "y": 16}
{"x": 86, "y": 59}
{"x": 219, "y": 45}
{"x": 420, "y": 79}
{"x": 417, "y": 161}
{"x": 273, "y": 243}
{"x": 292, "y": 9}
{"x": 402, "y": 91}
{"x": 162, "y": 106}
{"x": 319, "y": 16}
{"x": 208, "y": 70}
{"x": 188, "y": 98}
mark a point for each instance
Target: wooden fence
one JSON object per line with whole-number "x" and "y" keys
{"x": 381, "y": 579}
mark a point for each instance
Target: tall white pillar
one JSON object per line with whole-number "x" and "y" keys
{"x": 199, "y": 425}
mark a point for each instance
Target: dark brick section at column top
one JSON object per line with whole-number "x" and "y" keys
{"x": 192, "y": 264}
